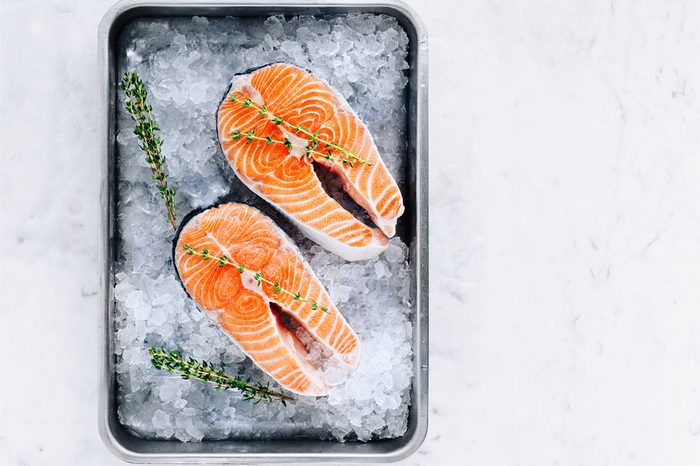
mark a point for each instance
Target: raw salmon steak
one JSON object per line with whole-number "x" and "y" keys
{"x": 275, "y": 123}
{"x": 263, "y": 281}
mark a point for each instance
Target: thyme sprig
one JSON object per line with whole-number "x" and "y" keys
{"x": 314, "y": 139}
{"x": 190, "y": 368}
{"x": 150, "y": 143}
{"x": 257, "y": 276}
{"x": 250, "y": 136}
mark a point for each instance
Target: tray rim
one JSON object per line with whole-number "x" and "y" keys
{"x": 105, "y": 228}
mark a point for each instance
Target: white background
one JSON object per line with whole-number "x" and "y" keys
{"x": 565, "y": 233}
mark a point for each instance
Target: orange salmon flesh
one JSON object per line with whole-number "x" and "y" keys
{"x": 243, "y": 309}
{"x": 286, "y": 178}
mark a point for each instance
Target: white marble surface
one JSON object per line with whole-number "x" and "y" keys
{"x": 565, "y": 233}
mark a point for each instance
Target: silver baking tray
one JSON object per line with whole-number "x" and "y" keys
{"x": 135, "y": 449}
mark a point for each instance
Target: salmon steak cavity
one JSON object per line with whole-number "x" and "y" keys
{"x": 276, "y": 124}
{"x": 262, "y": 283}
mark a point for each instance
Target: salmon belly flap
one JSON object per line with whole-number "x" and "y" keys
{"x": 275, "y": 124}
{"x": 261, "y": 271}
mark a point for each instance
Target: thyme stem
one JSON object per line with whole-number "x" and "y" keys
{"x": 151, "y": 144}
{"x": 313, "y": 137}
{"x": 190, "y": 368}
{"x": 249, "y": 135}
{"x": 257, "y": 276}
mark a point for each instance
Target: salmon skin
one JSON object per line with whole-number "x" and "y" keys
{"x": 242, "y": 306}
{"x": 286, "y": 110}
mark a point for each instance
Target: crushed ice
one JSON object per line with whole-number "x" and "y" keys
{"x": 186, "y": 65}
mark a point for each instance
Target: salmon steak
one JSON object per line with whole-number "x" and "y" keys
{"x": 275, "y": 124}
{"x": 244, "y": 272}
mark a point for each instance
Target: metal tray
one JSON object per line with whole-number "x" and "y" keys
{"x": 134, "y": 449}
